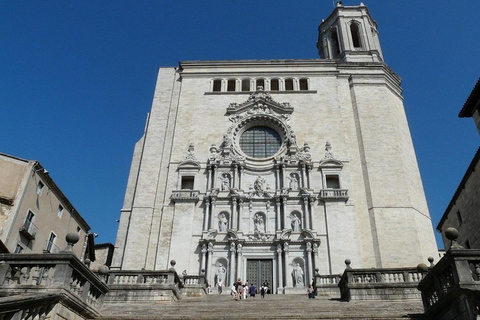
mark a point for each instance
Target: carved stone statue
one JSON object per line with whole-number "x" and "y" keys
{"x": 191, "y": 153}
{"x": 328, "y": 151}
{"x": 296, "y": 222}
{"x": 220, "y": 274}
{"x": 259, "y": 223}
{"x": 259, "y": 183}
{"x": 225, "y": 178}
{"x": 227, "y": 141}
{"x": 297, "y": 275}
{"x": 222, "y": 222}
{"x": 293, "y": 181}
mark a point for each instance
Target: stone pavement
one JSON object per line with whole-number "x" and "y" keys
{"x": 272, "y": 307}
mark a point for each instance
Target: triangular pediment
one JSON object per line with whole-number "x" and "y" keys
{"x": 260, "y": 102}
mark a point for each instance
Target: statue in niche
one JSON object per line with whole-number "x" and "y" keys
{"x": 222, "y": 222}
{"x": 225, "y": 178}
{"x": 191, "y": 153}
{"x": 297, "y": 275}
{"x": 214, "y": 153}
{"x": 258, "y": 184}
{"x": 220, "y": 274}
{"x": 328, "y": 151}
{"x": 296, "y": 222}
{"x": 259, "y": 223}
{"x": 293, "y": 181}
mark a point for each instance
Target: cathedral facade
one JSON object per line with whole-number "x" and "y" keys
{"x": 267, "y": 170}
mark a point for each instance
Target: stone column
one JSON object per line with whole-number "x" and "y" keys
{"x": 309, "y": 169}
{"x": 240, "y": 213}
{"x": 234, "y": 216}
{"x": 232, "y": 263}
{"x": 315, "y": 255}
{"x": 212, "y": 211}
{"x": 235, "y": 177}
{"x": 310, "y": 272}
{"x": 240, "y": 261}
{"x": 304, "y": 179}
{"x": 207, "y": 214}
{"x": 277, "y": 177}
{"x": 280, "y": 266}
{"x": 240, "y": 177}
{"x": 278, "y": 214}
{"x": 215, "y": 175}
{"x": 285, "y": 212}
{"x": 288, "y": 276}
{"x": 204, "y": 258}
{"x": 305, "y": 212}
{"x": 209, "y": 260}
{"x": 284, "y": 174}
{"x": 311, "y": 204}
{"x": 209, "y": 176}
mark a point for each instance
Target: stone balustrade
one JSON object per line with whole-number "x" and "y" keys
{"x": 185, "y": 195}
{"x": 333, "y": 194}
{"x": 195, "y": 285}
{"x": 143, "y": 285}
{"x": 451, "y": 289}
{"x": 380, "y": 284}
{"x": 327, "y": 285}
{"x": 61, "y": 275}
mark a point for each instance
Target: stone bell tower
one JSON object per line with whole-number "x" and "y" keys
{"x": 349, "y": 34}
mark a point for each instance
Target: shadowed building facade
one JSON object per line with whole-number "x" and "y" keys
{"x": 269, "y": 169}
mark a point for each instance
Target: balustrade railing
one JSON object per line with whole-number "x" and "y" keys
{"x": 327, "y": 279}
{"x": 452, "y": 284}
{"x": 355, "y": 283}
{"x": 61, "y": 273}
{"x": 185, "y": 195}
{"x": 332, "y": 194}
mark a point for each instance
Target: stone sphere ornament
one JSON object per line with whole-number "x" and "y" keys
{"x": 451, "y": 234}
{"x": 422, "y": 267}
{"x": 72, "y": 238}
{"x": 103, "y": 270}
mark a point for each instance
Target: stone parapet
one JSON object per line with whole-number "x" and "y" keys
{"x": 380, "y": 284}
{"x": 194, "y": 285}
{"x": 142, "y": 285}
{"x": 327, "y": 285}
{"x": 61, "y": 278}
{"x": 451, "y": 289}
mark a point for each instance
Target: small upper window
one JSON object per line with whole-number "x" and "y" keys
{"x": 59, "y": 211}
{"x": 289, "y": 84}
{"x": 51, "y": 243}
{"x": 18, "y": 249}
{"x": 303, "y": 84}
{"x": 231, "y": 85}
{"x": 274, "y": 85}
{"x": 260, "y": 83}
{"x": 188, "y": 182}
{"x": 40, "y": 186}
{"x": 459, "y": 218}
{"x": 333, "y": 182}
{"x": 217, "y": 85}
{"x": 245, "y": 84}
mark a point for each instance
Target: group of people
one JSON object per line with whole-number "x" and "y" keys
{"x": 241, "y": 290}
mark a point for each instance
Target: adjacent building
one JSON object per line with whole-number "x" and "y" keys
{"x": 463, "y": 211}
{"x": 35, "y": 215}
{"x": 269, "y": 169}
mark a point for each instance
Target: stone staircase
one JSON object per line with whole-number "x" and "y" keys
{"x": 272, "y": 307}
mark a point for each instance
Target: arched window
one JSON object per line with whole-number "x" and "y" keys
{"x": 355, "y": 31}
{"x": 217, "y": 85}
{"x": 231, "y": 85}
{"x": 260, "y": 83}
{"x": 289, "y": 84}
{"x": 274, "y": 85}
{"x": 303, "y": 84}
{"x": 245, "y": 84}
{"x": 333, "y": 44}
{"x": 260, "y": 142}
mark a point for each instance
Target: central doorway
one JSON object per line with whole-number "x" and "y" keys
{"x": 259, "y": 271}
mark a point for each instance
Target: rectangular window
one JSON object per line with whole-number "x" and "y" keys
{"x": 274, "y": 86}
{"x": 231, "y": 85}
{"x": 40, "y": 186}
{"x": 51, "y": 242}
{"x": 289, "y": 84}
{"x": 333, "y": 182}
{"x": 18, "y": 249}
{"x": 217, "y": 85}
{"x": 246, "y": 85}
{"x": 459, "y": 217}
{"x": 467, "y": 245}
{"x": 303, "y": 84}
{"x": 188, "y": 182}
{"x": 60, "y": 211}
{"x": 29, "y": 219}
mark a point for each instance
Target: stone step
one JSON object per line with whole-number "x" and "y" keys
{"x": 272, "y": 307}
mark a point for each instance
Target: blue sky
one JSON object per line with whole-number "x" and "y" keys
{"x": 77, "y": 79}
